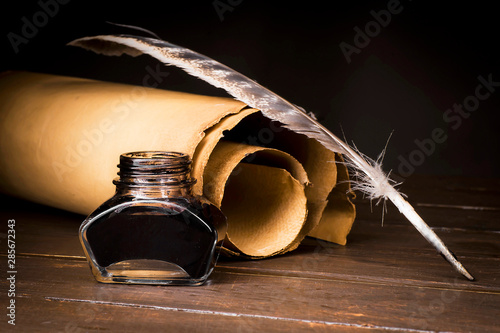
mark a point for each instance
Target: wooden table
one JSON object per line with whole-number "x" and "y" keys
{"x": 387, "y": 278}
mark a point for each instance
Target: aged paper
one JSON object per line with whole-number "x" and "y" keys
{"x": 61, "y": 138}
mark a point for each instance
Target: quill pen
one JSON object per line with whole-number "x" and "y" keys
{"x": 373, "y": 181}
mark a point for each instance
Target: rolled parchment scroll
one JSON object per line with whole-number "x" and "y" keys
{"x": 61, "y": 138}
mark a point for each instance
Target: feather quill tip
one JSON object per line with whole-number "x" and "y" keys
{"x": 457, "y": 265}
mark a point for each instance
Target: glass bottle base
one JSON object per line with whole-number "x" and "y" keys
{"x": 145, "y": 271}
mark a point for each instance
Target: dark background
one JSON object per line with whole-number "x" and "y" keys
{"x": 425, "y": 60}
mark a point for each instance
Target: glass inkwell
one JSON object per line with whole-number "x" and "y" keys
{"x": 153, "y": 230}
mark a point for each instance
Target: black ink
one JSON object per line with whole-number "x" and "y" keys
{"x": 153, "y": 217}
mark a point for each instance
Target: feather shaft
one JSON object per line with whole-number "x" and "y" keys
{"x": 274, "y": 107}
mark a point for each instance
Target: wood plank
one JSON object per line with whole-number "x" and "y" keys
{"x": 41, "y": 229}
{"x": 458, "y": 202}
{"x": 60, "y": 226}
{"x": 332, "y": 302}
{"x": 390, "y": 254}
{"x": 433, "y": 215}
{"x": 453, "y": 190}
{"x": 381, "y": 254}
{"x": 47, "y": 314}
{"x": 465, "y": 242}
{"x": 385, "y": 279}
{"x": 404, "y": 268}
{"x": 469, "y": 189}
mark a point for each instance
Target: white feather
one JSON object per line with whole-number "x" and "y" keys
{"x": 374, "y": 182}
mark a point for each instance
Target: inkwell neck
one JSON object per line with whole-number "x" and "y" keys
{"x": 155, "y": 174}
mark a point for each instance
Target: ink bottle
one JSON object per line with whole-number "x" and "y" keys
{"x": 153, "y": 230}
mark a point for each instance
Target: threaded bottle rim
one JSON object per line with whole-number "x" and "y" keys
{"x": 154, "y": 168}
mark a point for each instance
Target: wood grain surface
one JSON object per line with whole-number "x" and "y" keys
{"x": 387, "y": 278}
